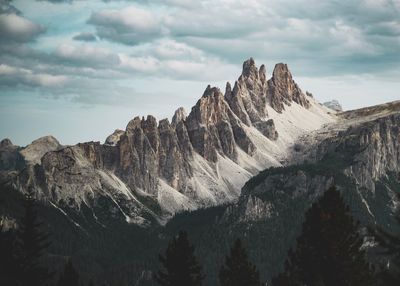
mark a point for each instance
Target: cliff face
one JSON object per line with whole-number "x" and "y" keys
{"x": 156, "y": 168}
{"x": 360, "y": 153}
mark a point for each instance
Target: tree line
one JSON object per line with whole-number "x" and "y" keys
{"x": 329, "y": 251}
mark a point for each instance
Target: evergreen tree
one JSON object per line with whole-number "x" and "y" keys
{"x": 70, "y": 277}
{"x": 8, "y": 262}
{"x": 32, "y": 243}
{"x": 328, "y": 252}
{"x": 238, "y": 270}
{"x": 180, "y": 263}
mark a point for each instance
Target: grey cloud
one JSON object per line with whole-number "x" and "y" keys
{"x": 85, "y": 55}
{"x": 130, "y": 26}
{"x": 85, "y": 36}
{"x": 7, "y": 8}
{"x": 17, "y": 29}
{"x": 332, "y": 37}
{"x": 13, "y": 76}
{"x": 205, "y": 44}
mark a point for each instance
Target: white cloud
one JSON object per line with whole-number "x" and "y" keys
{"x": 167, "y": 49}
{"x": 15, "y": 28}
{"x": 13, "y": 76}
{"x": 130, "y": 25}
{"x": 87, "y": 55}
{"x": 147, "y": 65}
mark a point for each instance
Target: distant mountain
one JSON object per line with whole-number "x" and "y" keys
{"x": 334, "y": 105}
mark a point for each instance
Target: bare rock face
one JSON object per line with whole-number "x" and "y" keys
{"x": 248, "y": 98}
{"x": 282, "y": 90}
{"x": 114, "y": 138}
{"x": 267, "y": 128}
{"x": 179, "y": 115}
{"x": 173, "y": 160}
{"x": 379, "y": 150}
{"x": 208, "y": 123}
{"x": 35, "y": 151}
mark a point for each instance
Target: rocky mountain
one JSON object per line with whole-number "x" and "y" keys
{"x": 246, "y": 162}
{"x": 153, "y": 169}
{"x": 334, "y": 105}
{"x": 359, "y": 153}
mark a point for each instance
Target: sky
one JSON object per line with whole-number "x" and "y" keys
{"x": 79, "y": 69}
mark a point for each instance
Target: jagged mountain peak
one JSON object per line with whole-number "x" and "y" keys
{"x": 164, "y": 125}
{"x": 150, "y": 123}
{"x": 281, "y": 72}
{"x": 283, "y": 90}
{"x": 179, "y": 115}
{"x": 211, "y": 91}
{"x": 199, "y": 159}
{"x": 228, "y": 89}
{"x": 136, "y": 122}
{"x": 263, "y": 73}
{"x": 249, "y": 68}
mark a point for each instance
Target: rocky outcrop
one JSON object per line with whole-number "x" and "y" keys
{"x": 334, "y": 105}
{"x": 267, "y": 128}
{"x": 114, "y": 138}
{"x": 360, "y": 155}
{"x": 35, "y": 151}
{"x": 213, "y": 127}
{"x": 179, "y": 115}
{"x": 282, "y": 90}
{"x": 248, "y": 98}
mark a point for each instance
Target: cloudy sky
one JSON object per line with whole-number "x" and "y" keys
{"x": 80, "y": 69}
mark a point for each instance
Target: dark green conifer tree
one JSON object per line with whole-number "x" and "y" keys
{"x": 31, "y": 245}
{"x": 238, "y": 270}
{"x": 180, "y": 263}
{"x": 69, "y": 277}
{"x": 8, "y": 262}
{"x": 329, "y": 249}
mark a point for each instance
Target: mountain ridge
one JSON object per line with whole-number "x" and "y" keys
{"x": 156, "y": 168}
